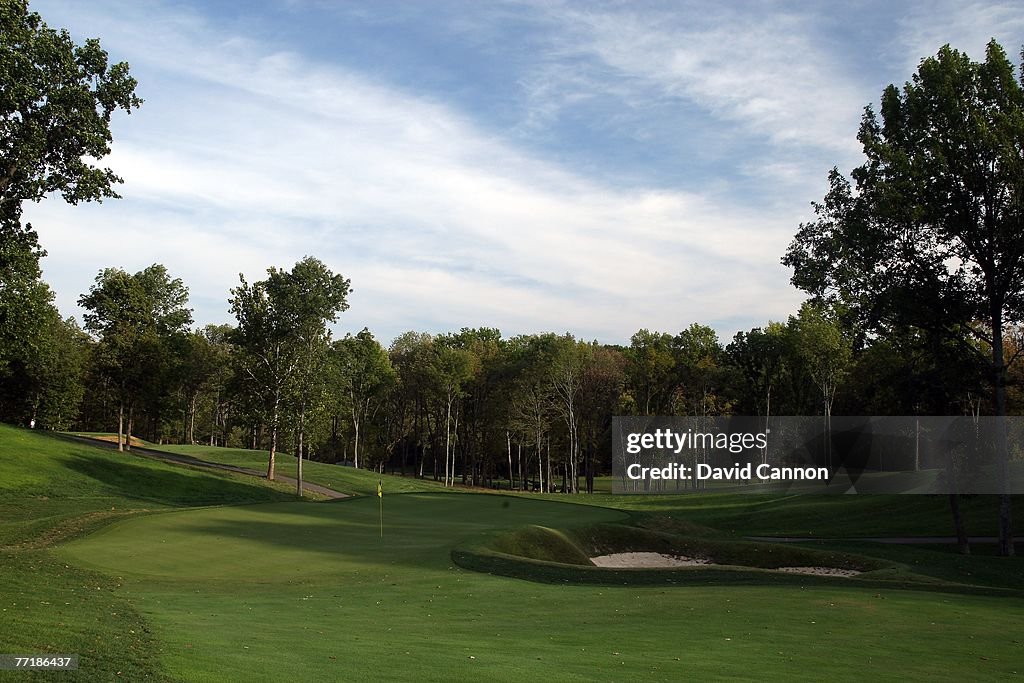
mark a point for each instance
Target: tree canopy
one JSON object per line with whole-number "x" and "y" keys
{"x": 55, "y": 108}
{"x": 930, "y": 233}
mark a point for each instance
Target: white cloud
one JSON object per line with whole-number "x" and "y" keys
{"x": 966, "y": 27}
{"x": 768, "y": 72}
{"x": 245, "y": 156}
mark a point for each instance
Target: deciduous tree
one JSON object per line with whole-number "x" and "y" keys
{"x": 930, "y": 233}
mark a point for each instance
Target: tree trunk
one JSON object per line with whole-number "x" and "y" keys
{"x": 508, "y": 441}
{"x": 273, "y": 437}
{"x": 120, "y": 427}
{"x": 540, "y": 463}
{"x": 548, "y": 470}
{"x": 128, "y": 434}
{"x": 216, "y": 412}
{"x": 519, "y": 462}
{"x": 192, "y": 418}
{"x": 962, "y": 542}
{"x": 298, "y": 453}
{"x": 355, "y": 428}
{"x": 1006, "y": 548}
{"x": 447, "y": 438}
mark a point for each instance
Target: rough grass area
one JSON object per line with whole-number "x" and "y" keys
{"x": 52, "y": 488}
{"x": 49, "y": 606}
{"x": 340, "y": 478}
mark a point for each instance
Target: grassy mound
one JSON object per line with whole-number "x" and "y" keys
{"x": 541, "y": 543}
{"x": 52, "y": 488}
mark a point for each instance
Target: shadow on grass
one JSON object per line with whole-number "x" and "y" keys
{"x": 554, "y": 573}
{"x": 419, "y": 529}
{"x": 161, "y": 483}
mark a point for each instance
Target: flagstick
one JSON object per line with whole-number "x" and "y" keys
{"x": 380, "y": 498}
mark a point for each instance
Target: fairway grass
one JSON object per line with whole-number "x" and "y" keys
{"x": 158, "y": 572}
{"x": 301, "y": 591}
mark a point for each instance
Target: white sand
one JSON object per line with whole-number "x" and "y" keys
{"x": 819, "y": 571}
{"x": 649, "y": 560}
{"x": 643, "y": 560}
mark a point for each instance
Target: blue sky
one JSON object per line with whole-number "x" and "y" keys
{"x": 591, "y": 168}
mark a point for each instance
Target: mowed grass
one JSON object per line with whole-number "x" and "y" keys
{"x": 52, "y": 489}
{"x": 356, "y": 482}
{"x": 50, "y": 486}
{"x": 804, "y": 515}
{"x": 310, "y": 591}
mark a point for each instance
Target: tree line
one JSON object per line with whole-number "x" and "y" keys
{"x": 528, "y": 411}
{"x": 914, "y": 265}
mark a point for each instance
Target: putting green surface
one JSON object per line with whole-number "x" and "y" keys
{"x": 309, "y": 591}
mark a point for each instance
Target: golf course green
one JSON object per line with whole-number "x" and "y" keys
{"x": 188, "y": 587}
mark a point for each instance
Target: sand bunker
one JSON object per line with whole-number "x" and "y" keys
{"x": 653, "y": 560}
{"x": 644, "y": 560}
{"x": 819, "y": 571}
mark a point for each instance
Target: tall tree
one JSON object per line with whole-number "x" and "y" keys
{"x": 362, "y": 376}
{"x": 652, "y": 372}
{"x": 567, "y": 378}
{"x": 56, "y": 101}
{"x": 451, "y": 368}
{"x": 55, "y": 107}
{"x": 136, "y": 318}
{"x": 699, "y": 371}
{"x": 409, "y": 354}
{"x": 601, "y": 391}
{"x": 282, "y": 326}
{"x": 932, "y": 236}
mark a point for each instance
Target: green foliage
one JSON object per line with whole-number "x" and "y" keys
{"x": 56, "y": 102}
{"x": 930, "y": 236}
{"x": 141, "y": 321}
{"x": 282, "y": 335}
{"x": 361, "y": 376}
{"x": 55, "y": 108}
{"x": 652, "y": 372}
{"x": 823, "y": 351}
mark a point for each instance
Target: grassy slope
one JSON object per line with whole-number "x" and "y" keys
{"x": 345, "y": 479}
{"x": 52, "y": 489}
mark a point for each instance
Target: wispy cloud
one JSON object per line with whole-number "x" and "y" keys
{"x": 765, "y": 71}
{"x": 967, "y": 27}
{"x": 251, "y": 151}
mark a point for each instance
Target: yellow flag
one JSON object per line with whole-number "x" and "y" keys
{"x": 380, "y": 491}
